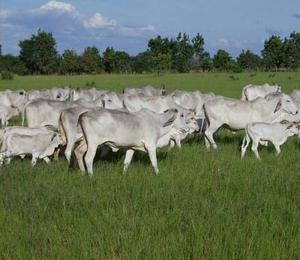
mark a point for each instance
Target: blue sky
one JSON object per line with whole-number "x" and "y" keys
{"x": 232, "y": 25}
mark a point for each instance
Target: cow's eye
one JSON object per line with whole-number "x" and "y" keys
{"x": 288, "y": 101}
{"x": 109, "y": 100}
{"x": 181, "y": 115}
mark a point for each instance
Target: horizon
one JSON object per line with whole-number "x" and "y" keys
{"x": 128, "y": 26}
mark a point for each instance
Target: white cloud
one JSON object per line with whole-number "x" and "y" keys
{"x": 58, "y": 6}
{"x": 99, "y": 21}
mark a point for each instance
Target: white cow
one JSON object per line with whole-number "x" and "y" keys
{"x": 236, "y": 114}
{"x": 40, "y": 146}
{"x": 16, "y": 98}
{"x": 87, "y": 94}
{"x": 6, "y": 113}
{"x": 295, "y": 95}
{"x": 276, "y": 133}
{"x": 42, "y": 112}
{"x": 59, "y": 94}
{"x": 192, "y": 100}
{"x": 251, "y": 92}
{"x": 133, "y": 131}
{"x": 112, "y": 100}
{"x": 145, "y": 91}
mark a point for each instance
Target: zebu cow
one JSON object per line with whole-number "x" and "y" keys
{"x": 112, "y": 100}
{"x": 158, "y": 104}
{"x": 251, "y": 92}
{"x": 42, "y": 112}
{"x": 133, "y": 131}
{"x": 40, "y": 146}
{"x": 276, "y": 133}
{"x": 58, "y": 94}
{"x": 6, "y": 113}
{"x": 236, "y": 114}
{"x": 193, "y": 100}
{"x": 87, "y": 94}
{"x": 13, "y": 98}
{"x": 25, "y": 131}
{"x": 295, "y": 95}
{"x": 146, "y": 91}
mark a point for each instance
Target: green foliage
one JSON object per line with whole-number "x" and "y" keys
{"x": 249, "y": 61}
{"x": 221, "y": 60}
{"x": 39, "y": 53}
{"x": 70, "y": 63}
{"x": 12, "y": 63}
{"x": 272, "y": 53}
{"x": 143, "y": 62}
{"x": 109, "y": 60}
{"x": 7, "y": 75}
{"x": 161, "y": 62}
{"x": 90, "y": 61}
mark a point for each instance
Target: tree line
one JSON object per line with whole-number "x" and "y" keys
{"x": 38, "y": 55}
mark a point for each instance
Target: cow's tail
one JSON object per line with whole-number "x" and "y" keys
{"x": 206, "y": 117}
{"x": 23, "y": 113}
{"x": 244, "y": 97}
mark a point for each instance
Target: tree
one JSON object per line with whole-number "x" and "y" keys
{"x": 184, "y": 53}
{"x": 273, "y": 53}
{"x": 143, "y": 62}
{"x": 70, "y": 63}
{"x": 291, "y": 51}
{"x": 162, "y": 62}
{"x": 39, "y": 53}
{"x": 221, "y": 60}
{"x": 249, "y": 61}
{"x": 91, "y": 60}
{"x": 13, "y": 64}
{"x": 122, "y": 62}
{"x": 199, "y": 55}
{"x": 109, "y": 60}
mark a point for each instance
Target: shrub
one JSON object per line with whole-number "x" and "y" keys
{"x": 7, "y": 75}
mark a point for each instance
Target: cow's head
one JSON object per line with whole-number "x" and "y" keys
{"x": 286, "y": 104}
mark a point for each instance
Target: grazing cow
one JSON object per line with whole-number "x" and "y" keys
{"x": 6, "y": 113}
{"x": 133, "y": 131}
{"x": 145, "y": 91}
{"x": 112, "y": 100}
{"x": 42, "y": 112}
{"x": 40, "y": 146}
{"x": 236, "y": 114}
{"x": 295, "y": 95}
{"x": 87, "y": 94}
{"x": 251, "y": 92}
{"x": 276, "y": 133}
{"x": 13, "y": 98}
{"x": 59, "y": 94}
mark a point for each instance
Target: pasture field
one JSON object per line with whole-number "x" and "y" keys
{"x": 203, "y": 205}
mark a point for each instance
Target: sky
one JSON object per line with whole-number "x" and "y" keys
{"x": 232, "y": 25}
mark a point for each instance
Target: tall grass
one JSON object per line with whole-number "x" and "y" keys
{"x": 202, "y": 205}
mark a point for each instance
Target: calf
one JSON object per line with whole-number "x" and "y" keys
{"x": 39, "y": 146}
{"x": 6, "y": 113}
{"x": 276, "y": 133}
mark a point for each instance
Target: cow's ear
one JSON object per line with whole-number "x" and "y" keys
{"x": 278, "y": 106}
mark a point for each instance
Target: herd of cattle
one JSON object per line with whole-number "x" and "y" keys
{"x": 79, "y": 121}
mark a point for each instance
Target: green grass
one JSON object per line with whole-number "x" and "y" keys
{"x": 203, "y": 205}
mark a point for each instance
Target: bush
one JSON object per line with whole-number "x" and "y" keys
{"x": 7, "y": 75}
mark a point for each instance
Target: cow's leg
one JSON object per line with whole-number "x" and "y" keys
{"x": 34, "y": 160}
{"x": 277, "y": 147}
{"x": 89, "y": 157}
{"x": 47, "y": 160}
{"x": 213, "y": 127}
{"x": 8, "y": 160}
{"x": 128, "y": 158}
{"x": 56, "y": 154}
{"x": 172, "y": 144}
{"x": 245, "y": 144}
{"x": 152, "y": 155}
{"x": 22, "y": 156}
{"x": 79, "y": 153}
{"x": 69, "y": 148}
{"x": 254, "y": 147}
